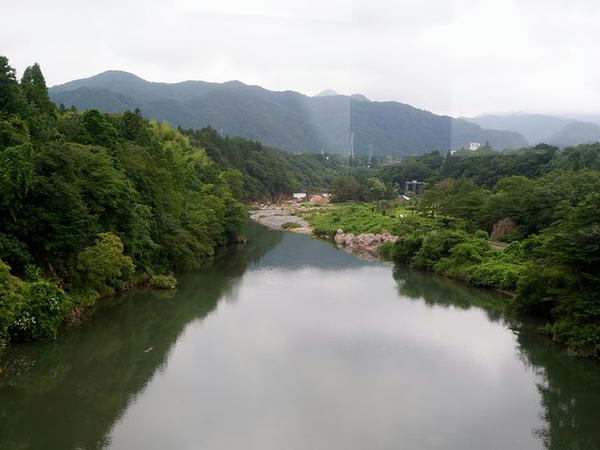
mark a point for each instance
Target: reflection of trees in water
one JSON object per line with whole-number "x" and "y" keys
{"x": 69, "y": 393}
{"x": 570, "y": 395}
{"x": 570, "y": 391}
{"x": 436, "y": 290}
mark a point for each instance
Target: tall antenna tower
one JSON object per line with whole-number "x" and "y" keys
{"x": 351, "y": 145}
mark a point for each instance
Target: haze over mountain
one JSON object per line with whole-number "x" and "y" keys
{"x": 326, "y": 93}
{"x": 575, "y": 133}
{"x": 561, "y": 131}
{"x": 286, "y": 119}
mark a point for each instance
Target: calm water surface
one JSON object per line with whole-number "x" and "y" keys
{"x": 289, "y": 343}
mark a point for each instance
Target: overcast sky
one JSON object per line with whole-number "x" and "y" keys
{"x": 460, "y": 57}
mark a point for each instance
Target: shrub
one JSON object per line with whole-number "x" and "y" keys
{"x": 163, "y": 281}
{"x": 577, "y": 325}
{"x": 11, "y": 299}
{"x": 538, "y": 288}
{"x": 41, "y": 314}
{"x": 103, "y": 266}
{"x": 386, "y": 251}
{"x": 407, "y": 246}
{"x": 496, "y": 273}
{"x": 291, "y": 225}
{"x": 436, "y": 245}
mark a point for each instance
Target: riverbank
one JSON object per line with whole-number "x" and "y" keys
{"x": 528, "y": 270}
{"x": 297, "y": 218}
{"x": 281, "y": 218}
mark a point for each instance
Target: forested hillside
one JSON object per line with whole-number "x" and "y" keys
{"x": 268, "y": 173}
{"x": 286, "y": 120}
{"x": 91, "y": 203}
{"x": 486, "y": 167}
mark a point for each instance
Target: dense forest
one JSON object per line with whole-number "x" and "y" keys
{"x": 268, "y": 173}
{"x": 91, "y": 203}
{"x": 544, "y": 203}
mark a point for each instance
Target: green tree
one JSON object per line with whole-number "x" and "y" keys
{"x": 103, "y": 266}
{"x": 33, "y": 85}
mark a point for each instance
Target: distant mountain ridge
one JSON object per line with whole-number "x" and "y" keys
{"x": 538, "y": 128}
{"x": 575, "y": 133}
{"x": 287, "y": 119}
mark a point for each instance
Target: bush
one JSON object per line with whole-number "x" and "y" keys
{"x": 538, "y": 288}
{"x": 41, "y": 314}
{"x": 291, "y": 225}
{"x": 352, "y": 218}
{"x": 11, "y": 299}
{"x": 496, "y": 273}
{"x": 103, "y": 266}
{"x": 577, "y": 318}
{"x": 436, "y": 245}
{"x": 386, "y": 251}
{"x": 163, "y": 281}
{"x": 407, "y": 246}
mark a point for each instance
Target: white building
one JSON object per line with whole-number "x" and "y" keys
{"x": 474, "y": 145}
{"x": 299, "y": 195}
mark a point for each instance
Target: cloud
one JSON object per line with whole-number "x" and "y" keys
{"x": 460, "y": 57}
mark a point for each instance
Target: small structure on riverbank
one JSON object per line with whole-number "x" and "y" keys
{"x": 414, "y": 187}
{"x": 299, "y": 195}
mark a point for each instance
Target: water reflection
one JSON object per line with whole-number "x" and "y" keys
{"x": 311, "y": 348}
{"x": 67, "y": 394}
{"x": 569, "y": 388}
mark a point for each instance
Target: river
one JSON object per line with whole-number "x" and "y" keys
{"x": 290, "y": 343}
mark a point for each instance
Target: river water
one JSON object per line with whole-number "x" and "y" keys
{"x": 290, "y": 343}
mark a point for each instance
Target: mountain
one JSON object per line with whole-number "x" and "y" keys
{"x": 287, "y": 120}
{"x": 576, "y": 133}
{"x": 535, "y": 128}
{"x": 326, "y": 93}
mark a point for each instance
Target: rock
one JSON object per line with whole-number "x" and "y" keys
{"x": 340, "y": 237}
{"x": 366, "y": 244}
{"x": 503, "y": 227}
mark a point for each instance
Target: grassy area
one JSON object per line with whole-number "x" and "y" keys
{"x": 355, "y": 218}
{"x": 291, "y": 225}
{"x": 163, "y": 281}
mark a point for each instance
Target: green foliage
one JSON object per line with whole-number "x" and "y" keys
{"x": 41, "y": 314}
{"x": 360, "y": 189}
{"x": 436, "y": 245}
{"x": 352, "y": 218}
{"x": 86, "y": 198}
{"x": 496, "y": 273}
{"x": 163, "y": 281}
{"x": 103, "y": 266}
{"x": 12, "y": 297}
{"x": 264, "y": 173}
{"x": 291, "y": 225}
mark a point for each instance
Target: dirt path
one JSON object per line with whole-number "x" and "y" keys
{"x": 498, "y": 245}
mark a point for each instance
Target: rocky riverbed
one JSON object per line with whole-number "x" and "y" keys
{"x": 364, "y": 245}
{"x": 275, "y": 218}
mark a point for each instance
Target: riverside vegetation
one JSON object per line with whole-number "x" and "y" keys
{"x": 91, "y": 203}
{"x": 551, "y": 257}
